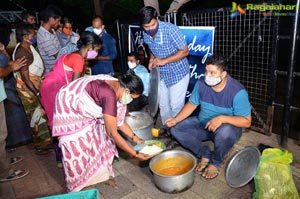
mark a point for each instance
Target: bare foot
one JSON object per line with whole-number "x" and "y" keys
{"x": 111, "y": 182}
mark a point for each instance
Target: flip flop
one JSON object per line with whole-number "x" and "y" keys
{"x": 203, "y": 165}
{"x": 17, "y": 174}
{"x": 212, "y": 172}
{"x": 15, "y": 160}
{"x": 11, "y": 150}
{"x": 60, "y": 165}
{"x": 42, "y": 151}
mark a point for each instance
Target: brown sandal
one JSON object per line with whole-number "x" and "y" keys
{"x": 210, "y": 173}
{"x": 201, "y": 167}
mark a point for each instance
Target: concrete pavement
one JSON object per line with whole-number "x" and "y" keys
{"x": 133, "y": 177}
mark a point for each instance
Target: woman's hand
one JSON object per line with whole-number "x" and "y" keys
{"x": 137, "y": 139}
{"x": 142, "y": 156}
{"x": 17, "y": 64}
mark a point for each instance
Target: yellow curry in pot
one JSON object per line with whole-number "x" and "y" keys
{"x": 173, "y": 166}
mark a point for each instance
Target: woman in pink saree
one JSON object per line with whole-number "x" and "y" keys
{"x": 67, "y": 68}
{"x": 88, "y": 113}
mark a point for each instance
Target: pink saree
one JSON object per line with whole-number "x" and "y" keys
{"x": 53, "y": 81}
{"x": 87, "y": 150}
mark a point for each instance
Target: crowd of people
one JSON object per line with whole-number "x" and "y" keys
{"x": 40, "y": 62}
{"x": 82, "y": 116}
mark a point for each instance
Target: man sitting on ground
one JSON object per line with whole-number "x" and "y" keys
{"x": 225, "y": 111}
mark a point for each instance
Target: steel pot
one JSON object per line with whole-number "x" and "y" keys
{"x": 173, "y": 182}
{"x": 141, "y": 123}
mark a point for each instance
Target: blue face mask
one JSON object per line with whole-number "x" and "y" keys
{"x": 33, "y": 40}
{"x": 152, "y": 32}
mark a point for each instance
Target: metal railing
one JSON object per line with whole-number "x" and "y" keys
{"x": 10, "y": 16}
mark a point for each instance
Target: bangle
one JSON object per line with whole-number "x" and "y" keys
{"x": 136, "y": 153}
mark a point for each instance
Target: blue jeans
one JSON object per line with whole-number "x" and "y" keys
{"x": 190, "y": 133}
{"x": 172, "y": 98}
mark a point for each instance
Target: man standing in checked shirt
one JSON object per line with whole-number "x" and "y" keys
{"x": 168, "y": 52}
{"x": 47, "y": 41}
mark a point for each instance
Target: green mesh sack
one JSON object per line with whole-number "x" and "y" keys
{"x": 273, "y": 179}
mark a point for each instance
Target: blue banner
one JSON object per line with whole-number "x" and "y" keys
{"x": 135, "y": 38}
{"x": 200, "y": 41}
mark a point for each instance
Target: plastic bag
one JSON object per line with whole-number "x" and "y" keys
{"x": 273, "y": 179}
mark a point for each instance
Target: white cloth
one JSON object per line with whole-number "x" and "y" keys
{"x": 36, "y": 67}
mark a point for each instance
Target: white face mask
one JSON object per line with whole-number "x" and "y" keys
{"x": 131, "y": 65}
{"x": 212, "y": 81}
{"x": 126, "y": 98}
{"x": 97, "y": 31}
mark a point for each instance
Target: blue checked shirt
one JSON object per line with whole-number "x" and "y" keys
{"x": 169, "y": 39}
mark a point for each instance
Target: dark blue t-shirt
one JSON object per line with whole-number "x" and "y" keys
{"x": 232, "y": 100}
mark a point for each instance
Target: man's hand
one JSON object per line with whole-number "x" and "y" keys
{"x": 170, "y": 122}
{"x": 153, "y": 63}
{"x": 159, "y": 62}
{"x": 19, "y": 63}
{"x": 214, "y": 123}
{"x": 2, "y": 47}
{"x": 3, "y": 50}
{"x": 150, "y": 65}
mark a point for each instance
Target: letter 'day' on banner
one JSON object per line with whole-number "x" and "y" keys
{"x": 200, "y": 40}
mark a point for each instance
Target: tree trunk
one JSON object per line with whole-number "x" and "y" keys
{"x": 152, "y": 3}
{"x": 97, "y": 6}
{"x": 176, "y": 4}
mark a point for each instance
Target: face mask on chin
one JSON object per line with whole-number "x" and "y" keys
{"x": 212, "y": 81}
{"x": 126, "y": 98}
{"x": 97, "y": 31}
{"x": 131, "y": 65}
